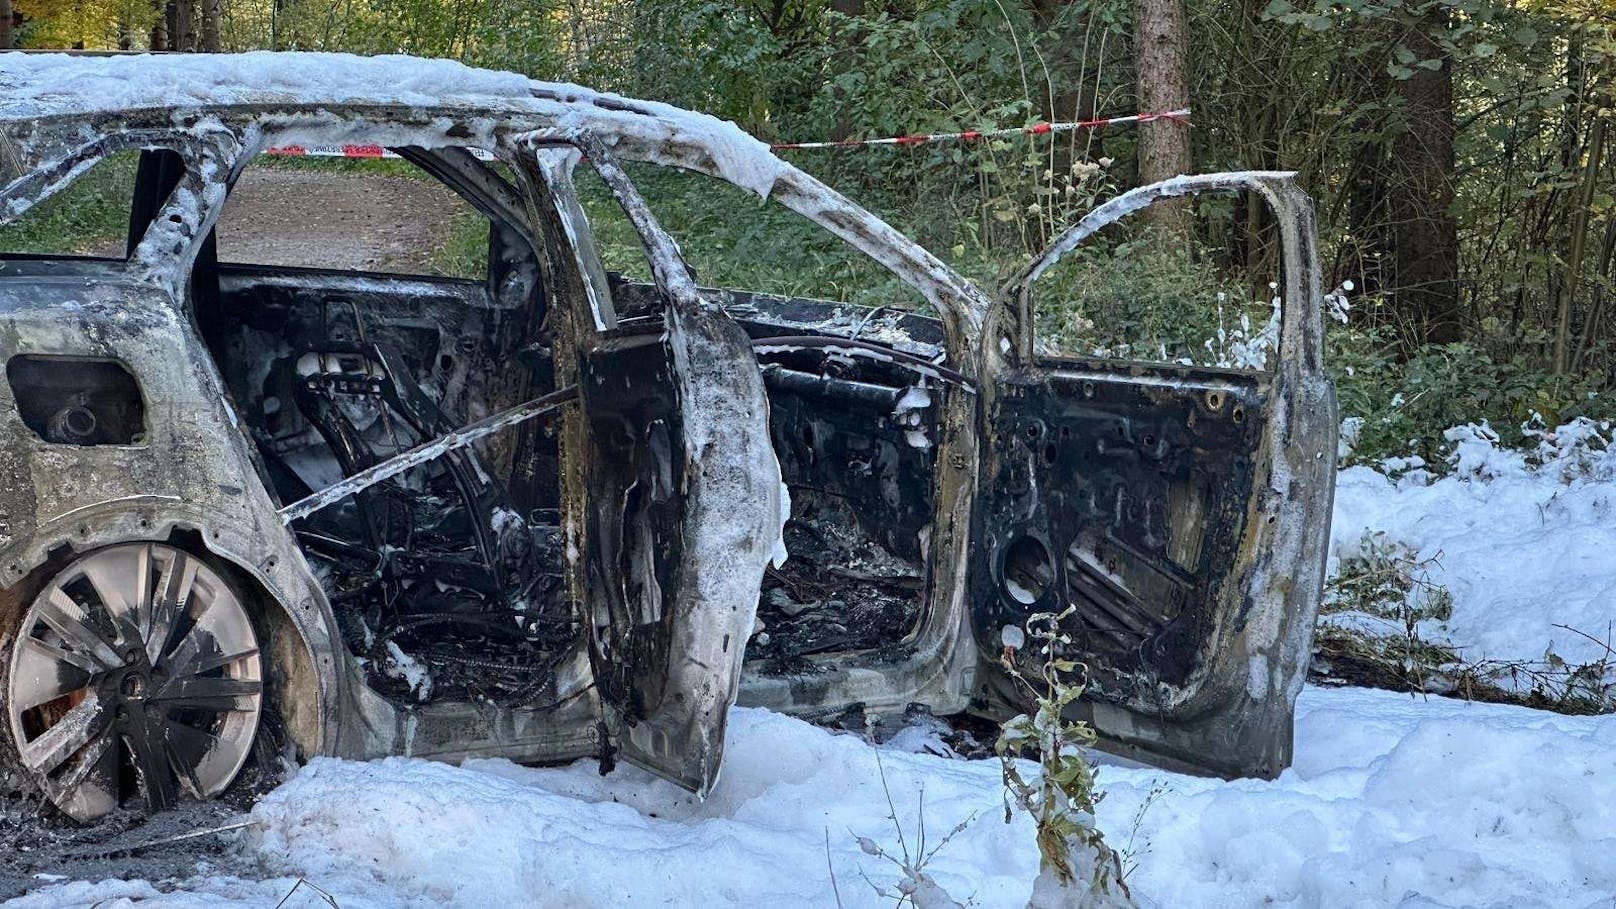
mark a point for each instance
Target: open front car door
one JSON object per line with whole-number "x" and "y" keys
{"x": 672, "y": 491}
{"x": 1176, "y": 516}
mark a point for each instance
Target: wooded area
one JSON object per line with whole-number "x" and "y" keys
{"x": 1456, "y": 148}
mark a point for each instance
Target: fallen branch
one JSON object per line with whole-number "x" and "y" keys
{"x": 114, "y": 848}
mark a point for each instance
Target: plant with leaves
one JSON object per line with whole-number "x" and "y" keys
{"x": 1077, "y": 868}
{"x": 1387, "y": 579}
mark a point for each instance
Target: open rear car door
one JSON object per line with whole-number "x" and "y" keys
{"x": 1177, "y": 516}
{"x": 672, "y": 491}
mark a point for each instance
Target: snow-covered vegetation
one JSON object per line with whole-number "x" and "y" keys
{"x": 1509, "y": 560}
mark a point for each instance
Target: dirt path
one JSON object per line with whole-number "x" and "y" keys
{"x": 335, "y": 219}
{"x": 331, "y": 219}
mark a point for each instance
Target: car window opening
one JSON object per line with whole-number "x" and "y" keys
{"x": 854, "y": 426}
{"x": 447, "y": 578}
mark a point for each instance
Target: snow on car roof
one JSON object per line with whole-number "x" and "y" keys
{"x": 34, "y": 86}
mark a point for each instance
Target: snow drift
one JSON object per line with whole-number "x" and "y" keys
{"x": 1393, "y": 801}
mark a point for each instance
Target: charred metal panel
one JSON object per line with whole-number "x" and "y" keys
{"x": 1123, "y": 492}
{"x": 637, "y": 509}
{"x": 886, "y": 626}
{"x": 1229, "y": 709}
{"x": 729, "y": 492}
{"x": 189, "y": 473}
{"x": 77, "y": 400}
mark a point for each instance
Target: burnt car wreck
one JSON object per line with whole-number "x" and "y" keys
{"x": 555, "y": 513}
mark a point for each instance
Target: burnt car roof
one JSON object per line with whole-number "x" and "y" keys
{"x": 54, "y": 106}
{"x": 40, "y": 87}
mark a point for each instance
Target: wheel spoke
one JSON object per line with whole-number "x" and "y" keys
{"x": 91, "y": 757}
{"x": 143, "y": 591}
{"x": 179, "y": 658}
{"x": 149, "y": 749}
{"x": 200, "y": 665}
{"x": 187, "y": 747}
{"x": 108, "y": 573}
{"x": 190, "y": 743}
{"x": 47, "y": 672}
{"x": 219, "y": 660}
{"x": 171, "y": 619}
{"x": 64, "y": 616}
{"x": 218, "y": 694}
{"x": 77, "y": 728}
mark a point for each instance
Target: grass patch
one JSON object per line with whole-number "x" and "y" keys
{"x": 91, "y": 213}
{"x": 374, "y": 167}
{"x": 464, "y": 252}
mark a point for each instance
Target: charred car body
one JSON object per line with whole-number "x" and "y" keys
{"x": 238, "y": 498}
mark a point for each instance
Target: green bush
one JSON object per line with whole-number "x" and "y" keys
{"x": 1407, "y": 404}
{"x": 1137, "y": 299}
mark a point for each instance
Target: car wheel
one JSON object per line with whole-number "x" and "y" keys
{"x": 134, "y": 678}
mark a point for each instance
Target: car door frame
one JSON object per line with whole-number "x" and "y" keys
{"x": 668, "y": 539}
{"x": 363, "y": 723}
{"x": 938, "y": 663}
{"x": 1235, "y": 718}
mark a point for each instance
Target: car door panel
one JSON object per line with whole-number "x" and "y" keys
{"x": 679, "y": 502}
{"x": 1136, "y": 485}
{"x": 1176, "y": 516}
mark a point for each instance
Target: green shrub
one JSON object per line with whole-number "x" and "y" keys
{"x": 92, "y": 213}
{"x": 1407, "y": 404}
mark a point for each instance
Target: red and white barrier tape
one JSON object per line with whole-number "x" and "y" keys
{"x": 970, "y": 135}
{"x": 351, "y": 151}
{"x": 1037, "y": 129}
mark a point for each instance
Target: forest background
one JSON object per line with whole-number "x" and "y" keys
{"x": 1459, "y": 151}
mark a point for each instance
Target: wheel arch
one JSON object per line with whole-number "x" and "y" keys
{"x": 291, "y": 615}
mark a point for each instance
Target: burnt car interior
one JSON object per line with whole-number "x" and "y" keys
{"x": 855, "y": 434}
{"x": 453, "y": 566}
{"x": 457, "y": 565}
{"x": 855, "y": 394}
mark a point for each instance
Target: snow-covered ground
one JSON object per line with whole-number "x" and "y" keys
{"x": 1392, "y": 801}
{"x": 1526, "y": 543}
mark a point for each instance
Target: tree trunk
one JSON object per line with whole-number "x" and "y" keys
{"x": 1424, "y": 235}
{"x": 159, "y": 29}
{"x": 212, "y": 26}
{"x": 1596, "y": 307}
{"x": 1365, "y": 256}
{"x": 1582, "y": 95}
{"x": 1161, "y": 59}
{"x": 182, "y": 31}
{"x": 843, "y": 128}
{"x": 6, "y": 14}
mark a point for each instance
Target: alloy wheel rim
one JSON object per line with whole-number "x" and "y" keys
{"x": 135, "y": 673}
